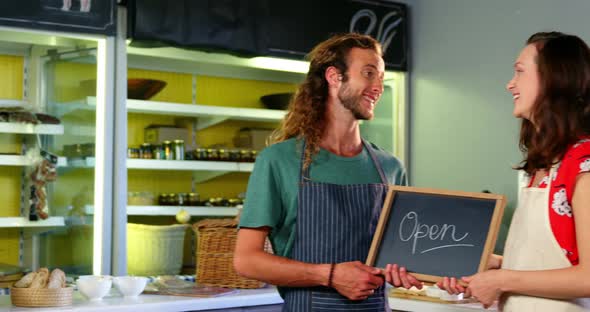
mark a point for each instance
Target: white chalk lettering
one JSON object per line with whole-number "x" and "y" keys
{"x": 418, "y": 231}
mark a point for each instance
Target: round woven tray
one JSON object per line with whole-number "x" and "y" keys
{"x": 41, "y": 297}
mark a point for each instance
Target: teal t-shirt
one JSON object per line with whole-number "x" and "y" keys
{"x": 271, "y": 198}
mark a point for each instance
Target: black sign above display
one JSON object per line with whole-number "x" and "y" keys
{"x": 436, "y": 233}
{"x": 79, "y": 16}
{"x": 230, "y": 25}
{"x": 267, "y": 27}
{"x": 295, "y": 27}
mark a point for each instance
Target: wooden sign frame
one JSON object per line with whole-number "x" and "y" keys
{"x": 386, "y": 211}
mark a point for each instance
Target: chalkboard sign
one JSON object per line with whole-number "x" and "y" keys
{"x": 436, "y": 233}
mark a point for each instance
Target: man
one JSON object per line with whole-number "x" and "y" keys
{"x": 317, "y": 192}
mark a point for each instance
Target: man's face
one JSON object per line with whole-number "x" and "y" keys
{"x": 364, "y": 86}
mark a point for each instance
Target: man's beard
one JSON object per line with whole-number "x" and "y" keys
{"x": 353, "y": 104}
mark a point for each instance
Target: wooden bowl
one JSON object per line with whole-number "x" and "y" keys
{"x": 137, "y": 88}
{"x": 143, "y": 89}
{"x": 277, "y": 100}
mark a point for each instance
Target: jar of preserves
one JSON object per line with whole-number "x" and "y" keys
{"x": 173, "y": 199}
{"x": 223, "y": 155}
{"x": 193, "y": 199}
{"x": 158, "y": 152}
{"x": 222, "y": 202}
{"x": 200, "y": 154}
{"x": 145, "y": 151}
{"x": 245, "y": 156}
{"x": 133, "y": 152}
{"x": 178, "y": 147}
{"x": 212, "y": 154}
{"x": 168, "y": 150}
{"x": 234, "y": 155}
{"x": 163, "y": 199}
{"x": 140, "y": 198}
{"x": 182, "y": 199}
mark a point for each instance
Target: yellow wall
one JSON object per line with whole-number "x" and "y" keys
{"x": 11, "y": 87}
{"x": 9, "y": 246}
{"x": 11, "y": 68}
{"x": 213, "y": 91}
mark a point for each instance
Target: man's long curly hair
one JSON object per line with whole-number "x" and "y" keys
{"x": 561, "y": 112}
{"x": 306, "y": 114}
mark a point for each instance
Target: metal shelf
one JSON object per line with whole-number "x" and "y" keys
{"x": 188, "y": 165}
{"x": 202, "y": 170}
{"x": 13, "y": 160}
{"x": 194, "y": 211}
{"x": 21, "y": 160}
{"x": 207, "y": 115}
{"x": 18, "y": 127}
{"x": 19, "y": 222}
{"x": 12, "y": 103}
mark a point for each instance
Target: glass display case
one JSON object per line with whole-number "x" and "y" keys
{"x": 55, "y": 159}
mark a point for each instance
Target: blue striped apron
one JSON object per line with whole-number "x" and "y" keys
{"x": 335, "y": 223}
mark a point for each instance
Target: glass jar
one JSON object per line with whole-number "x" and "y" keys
{"x": 133, "y": 152}
{"x": 234, "y": 155}
{"x": 158, "y": 152}
{"x": 140, "y": 198}
{"x": 173, "y": 199}
{"x": 200, "y": 154}
{"x": 178, "y": 146}
{"x": 145, "y": 151}
{"x": 245, "y": 156}
{"x": 182, "y": 199}
{"x": 163, "y": 199}
{"x": 168, "y": 150}
{"x": 212, "y": 154}
{"x": 193, "y": 199}
{"x": 223, "y": 155}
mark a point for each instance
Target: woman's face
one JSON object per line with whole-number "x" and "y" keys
{"x": 524, "y": 85}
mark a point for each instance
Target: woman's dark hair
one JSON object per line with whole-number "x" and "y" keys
{"x": 561, "y": 112}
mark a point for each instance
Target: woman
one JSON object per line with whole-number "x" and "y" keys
{"x": 546, "y": 264}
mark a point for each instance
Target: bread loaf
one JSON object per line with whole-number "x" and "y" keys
{"x": 57, "y": 279}
{"x": 26, "y": 280}
{"x": 40, "y": 280}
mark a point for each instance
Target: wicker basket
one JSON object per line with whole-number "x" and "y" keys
{"x": 216, "y": 239}
{"x": 41, "y": 297}
{"x": 155, "y": 249}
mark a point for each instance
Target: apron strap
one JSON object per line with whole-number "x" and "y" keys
{"x": 552, "y": 172}
{"x": 375, "y": 161}
{"x": 305, "y": 172}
